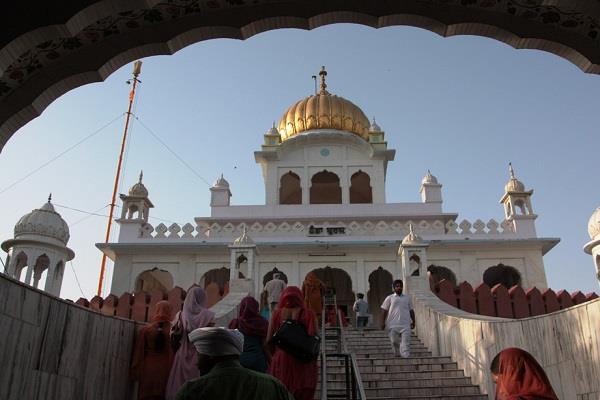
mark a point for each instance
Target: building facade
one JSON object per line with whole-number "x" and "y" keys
{"x": 324, "y": 168}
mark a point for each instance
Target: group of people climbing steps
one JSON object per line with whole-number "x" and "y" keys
{"x": 270, "y": 350}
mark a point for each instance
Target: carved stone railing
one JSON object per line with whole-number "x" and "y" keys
{"x": 350, "y": 228}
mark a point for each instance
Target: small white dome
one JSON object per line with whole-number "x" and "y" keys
{"x": 429, "y": 179}
{"x": 44, "y": 221}
{"x": 374, "y": 127}
{"x": 139, "y": 190}
{"x": 513, "y": 184}
{"x": 594, "y": 225}
{"x": 221, "y": 183}
{"x": 244, "y": 239}
{"x": 273, "y": 131}
{"x": 411, "y": 237}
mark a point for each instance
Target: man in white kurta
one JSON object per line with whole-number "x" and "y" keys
{"x": 398, "y": 319}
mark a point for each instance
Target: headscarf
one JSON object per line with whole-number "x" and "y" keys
{"x": 521, "y": 377}
{"x": 163, "y": 312}
{"x": 291, "y": 297}
{"x": 249, "y": 321}
{"x": 195, "y": 314}
{"x": 217, "y": 342}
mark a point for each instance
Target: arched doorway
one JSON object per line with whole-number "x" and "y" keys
{"x": 504, "y": 274}
{"x": 380, "y": 286}
{"x": 269, "y": 275}
{"x": 216, "y": 284}
{"x": 360, "y": 188}
{"x": 154, "y": 279}
{"x": 325, "y": 188}
{"x": 338, "y": 280}
{"x": 290, "y": 190}
{"x": 40, "y": 271}
{"x": 437, "y": 273}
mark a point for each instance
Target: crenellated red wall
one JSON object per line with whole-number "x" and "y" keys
{"x": 507, "y": 303}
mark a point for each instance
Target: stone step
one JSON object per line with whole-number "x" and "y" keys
{"x": 370, "y": 376}
{"x": 398, "y": 369}
{"x": 424, "y": 391}
{"x": 395, "y": 383}
{"x": 434, "y": 397}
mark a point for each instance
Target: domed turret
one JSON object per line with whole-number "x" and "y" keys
{"x": 139, "y": 190}
{"x": 594, "y": 225}
{"x": 221, "y": 183}
{"x": 429, "y": 179}
{"x": 323, "y": 111}
{"x": 43, "y": 222}
{"x": 39, "y": 245}
{"x": 513, "y": 184}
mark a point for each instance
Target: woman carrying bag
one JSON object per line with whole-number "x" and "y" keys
{"x": 298, "y": 375}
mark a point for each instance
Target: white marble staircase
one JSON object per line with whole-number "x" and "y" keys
{"x": 384, "y": 377}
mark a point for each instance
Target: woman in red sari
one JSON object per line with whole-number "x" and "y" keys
{"x": 153, "y": 357}
{"x": 518, "y": 376}
{"x": 299, "y": 377}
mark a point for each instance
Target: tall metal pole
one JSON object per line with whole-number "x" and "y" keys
{"x": 137, "y": 68}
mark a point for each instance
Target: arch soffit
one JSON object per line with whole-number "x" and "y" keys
{"x": 31, "y": 79}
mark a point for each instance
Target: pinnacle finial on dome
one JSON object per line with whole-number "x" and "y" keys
{"x": 323, "y": 74}
{"x": 374, "y": 127}
{"x": 50, "y": 198}
{"x": 511, "y": 170}
{"x": 141, "y": 175}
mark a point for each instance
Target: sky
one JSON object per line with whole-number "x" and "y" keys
{"x": 462, "y": 107}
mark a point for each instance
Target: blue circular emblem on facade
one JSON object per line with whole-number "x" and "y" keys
{"x": 325, "y": 152}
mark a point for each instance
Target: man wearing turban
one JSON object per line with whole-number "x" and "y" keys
{"x": 221, "y": 374}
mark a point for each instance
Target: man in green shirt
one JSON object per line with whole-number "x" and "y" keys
{"x": 222, "y": 375}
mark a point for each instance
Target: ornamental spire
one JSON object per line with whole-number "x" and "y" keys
{"x": 511, "y": 171}
{"x": 141, "y": 175}
{"x": 323, "y": 74}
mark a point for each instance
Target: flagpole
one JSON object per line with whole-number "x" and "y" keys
{"x": 137, "y": 68}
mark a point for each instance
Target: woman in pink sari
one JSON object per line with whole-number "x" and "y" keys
{"x": 299, "y": 377}
{"x": 193, "y": 316}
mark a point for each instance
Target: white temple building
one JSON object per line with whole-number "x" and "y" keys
{"x": 324, "y": 168}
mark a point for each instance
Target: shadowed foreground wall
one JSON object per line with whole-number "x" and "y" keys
{"x": 55, "y": 349}
{"x": 566, "y": 343}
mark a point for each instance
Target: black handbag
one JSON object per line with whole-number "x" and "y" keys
{"x": 292, "y": 338}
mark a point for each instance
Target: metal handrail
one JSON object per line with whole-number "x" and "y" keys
{"x": 357, "y": 383}
{"x": 323, "y": 359}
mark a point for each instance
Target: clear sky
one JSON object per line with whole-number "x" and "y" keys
{"x": 462, "y": 106}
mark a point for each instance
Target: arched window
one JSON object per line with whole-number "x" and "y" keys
{"x": 506, "y": 275}
{"x": 437, "y": 273}
{"x": 154, "y": 279}
{"x": 40, "y": 270}
{"x": 325, "y": 188}
{"x": 360, "y": 188}
{"x": 290, "y": 191}
{"x": 520, "y": 205}
{"x": 20, "y": 264}
{"x": 380, "y": 286}
{"x": 414, "y": 265}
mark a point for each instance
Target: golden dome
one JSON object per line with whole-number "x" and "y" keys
{"x": 323, "y": 111}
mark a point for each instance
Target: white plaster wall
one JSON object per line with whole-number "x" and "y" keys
{"x": 566, "y": 343}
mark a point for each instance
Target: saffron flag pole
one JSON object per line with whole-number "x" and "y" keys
{"x": 137, "y": 68}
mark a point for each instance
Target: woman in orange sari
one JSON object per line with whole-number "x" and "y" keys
{"x": 312, "y": 291}
{"x": 518, "y": 376}
{"x": 153, "y": 357}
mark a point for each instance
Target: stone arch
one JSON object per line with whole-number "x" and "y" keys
{"x": 340, "y": 282}
{"x": 325, "y": 188}
{"x": 437, "y": 273}
{"x": 269, "y": 275}
{"x": 360, "y": 188}
{"x": 20, "y": 264}
{"x": 40, "y": 271}
{"x": 520, "y": 207}
{"x": 380, "y": 286}
{"x": 58, "y": 41}
{"x": 154, "y": 279}
{"x": 216, "y": 284}
{"x": 290, "y": 189}
{"x": 133, "y": 212}
{"x": 504, "y": 274}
